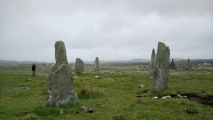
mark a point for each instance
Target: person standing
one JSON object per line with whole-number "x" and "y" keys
{"x": 33, "y": 69}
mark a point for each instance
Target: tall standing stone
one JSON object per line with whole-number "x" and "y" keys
{"x": 79, "y": 66}
{"x": 161, "y": 74}
{"x": 188, "y": 65}
{"x": 172, "y": 65}
{"x": 97, "y": 66}
{"x": 152, "y": 64}
{"x": 60, "y": 82}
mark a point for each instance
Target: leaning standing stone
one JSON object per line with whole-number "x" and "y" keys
{"x": 79, "y": 66}
{"x": 97, "y": 66}
{"x": 60, "y": 82}
{"x": 152, "y": 64}
{"x": 161, "y": 74}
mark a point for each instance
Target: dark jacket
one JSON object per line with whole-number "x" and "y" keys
{"x": 33, "y": 67}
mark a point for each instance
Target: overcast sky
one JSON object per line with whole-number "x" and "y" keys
{"x": 108, "y": 29}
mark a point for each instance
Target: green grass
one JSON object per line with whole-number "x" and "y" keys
{"x": 113, "y": 97}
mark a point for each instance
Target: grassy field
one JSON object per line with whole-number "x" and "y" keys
{"x": 122, "y": 93}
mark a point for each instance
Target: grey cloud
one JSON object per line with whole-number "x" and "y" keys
{"x": 110, "y": 29}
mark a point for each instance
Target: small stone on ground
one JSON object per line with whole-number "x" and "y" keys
{"x": 192, "y": 111}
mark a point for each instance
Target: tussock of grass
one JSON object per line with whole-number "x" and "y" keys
{"x": 45, "y": 111}
{"x": 75, "y": 77}
{"x": 118, "y": 117}
{"x": 90, "y": 92}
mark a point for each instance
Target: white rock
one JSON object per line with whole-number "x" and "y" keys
{"x": 179, "y": 95}
{"x": 168, "y": 96}
{"x": 184, "y": 96}
{"x": 155, "y": 97}
{"x": 141, "y": 85}
{"x": 97, "y": 77}
{"x": 61, "y": 111}
{"x": 164, "y": 97}
{"x": 85, "y": 108}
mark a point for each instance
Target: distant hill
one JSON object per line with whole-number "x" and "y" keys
{"x": 120, "y": 62}
{"x": 109, "y": 62}
{"x": 15, "y": 63}
{"x": 112, "y": 61}
{"x": 125, "y": 62}
{"x": 177, "y": 59}
{"x": 201, "y": 61}
{"x": 7, "y": 62}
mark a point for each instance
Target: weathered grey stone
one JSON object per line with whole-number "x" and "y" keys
{"x": 60, "y": 53}
{"x": 172, "y": 65}
{"x": 97, "y": 66}
{"x": 60, "y": 82}
{"x": 188, "y": 65}
{"x": 152, "y": 64}
{"x": 161, "y": 74}
{"x": 79, "y": 66}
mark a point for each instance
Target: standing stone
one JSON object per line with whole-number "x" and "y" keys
{"x": 79, "y": 66}
{"x": 60, "y": 82}
{"x": 172, "y": 65}
{"x": 188, "y": 65}
{"x": 97, "y": 66}
{"x": 152, "y": 64}
{"x": 161, "y": 73}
